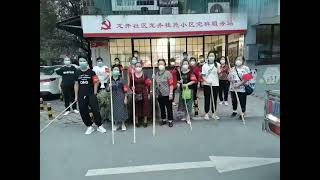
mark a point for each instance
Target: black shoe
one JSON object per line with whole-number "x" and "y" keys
{"x": 196, "y": 113}
{"x": 233, "y": 114}
{"x": 137, "y": 124}
{"x": 163, "y": 123}
{"x": 145, "y": 124}
{"x": 170, "y": 124}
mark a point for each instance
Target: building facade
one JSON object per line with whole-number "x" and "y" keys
{"x": 167, "y": 28}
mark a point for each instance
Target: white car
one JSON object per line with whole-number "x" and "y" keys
{"x": 50, "y": 81}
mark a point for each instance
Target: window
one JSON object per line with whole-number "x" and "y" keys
{"x": 195, "y": 46}
{"x": 215, "y": 43}
{"x": 159, "y": 49}
{"x": 143, "y": 47}
{"x": 122, "y": 49}
{"x": 268, "y": 42}
{"x": 125, "y": 3}
{"x": 177, "y": 47}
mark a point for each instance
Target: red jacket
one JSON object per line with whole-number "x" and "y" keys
{"x": 196, "y": 69}
{"x": 174, "y": 72}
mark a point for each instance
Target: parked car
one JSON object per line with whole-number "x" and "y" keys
{"x": 49, "y": 81}
{"x": 271, "y": 123}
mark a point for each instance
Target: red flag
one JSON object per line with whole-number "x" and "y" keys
{"x": 247, "y": 77}
{"x": 171, "y": 83}
{"x": 95, "y": 79}
{"x": 125, "y": 88}
{"x": 147, "y": 82}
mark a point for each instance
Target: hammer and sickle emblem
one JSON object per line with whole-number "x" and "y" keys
{"x": 106, "y": 25}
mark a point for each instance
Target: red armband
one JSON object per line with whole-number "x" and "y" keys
{"x": 147, "y": 82}
{"x": 95, "y": 79}
{"x": 125, "y": 88}
{"x": 171, "y": 82}
{"x": 247, "y": 77}
{"x": 193, "y": 77}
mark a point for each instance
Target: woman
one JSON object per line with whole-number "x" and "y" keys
{"x": 186, "y": 79}
{"x": 210, "y": 84}
{"x": 237, "y": 82}
{"x": 118, "y": 64}
{"x": 173, "y": 69}
{"x": 131, "y": 68}
{"x": 197, "y": 72}
{"x": 119, "y": 99}
{"x": 100, "y": 71}
{"x": 68, "y": 73}
{"x": 141, "y": 89}
{"x": 223, "y": 81}
{"x": 164, "y": 89}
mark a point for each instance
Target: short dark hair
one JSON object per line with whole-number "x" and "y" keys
{"x": 165, "y": 63}
{"x": 116, "y": 59}
{"x": 172, "y": 60}
{"x": 201, "y": 56}
{"x": 135, "y": 51}
{"x": 212, "y": 52}
{"x": 193, "y": 58}
{"x": 99, "y": 59}
{"x": 224, "y": 58}
{"x": 185, "y": 53}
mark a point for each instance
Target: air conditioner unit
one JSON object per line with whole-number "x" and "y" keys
{"x": 169, "y": 10}
{"x": 219, "y": 7}
{"x": 134, "y": 5}
{"x": 168, "y": 3}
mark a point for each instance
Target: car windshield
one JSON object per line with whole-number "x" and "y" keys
{"x": 47, "y": 70}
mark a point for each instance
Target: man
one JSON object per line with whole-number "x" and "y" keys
{"x": 100, "y": 71}
{"x": 68, "y": 73}
{"x": 86, "y": 88}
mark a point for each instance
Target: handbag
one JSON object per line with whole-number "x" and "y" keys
{"x": 186, "y": 93}
{"x": 248, "y": 89}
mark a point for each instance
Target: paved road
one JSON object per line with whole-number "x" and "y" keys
{"x": 67, "y": 154}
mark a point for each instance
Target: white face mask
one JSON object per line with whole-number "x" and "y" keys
{"x": 201, "y": 60}
{"x": 192, "y": 63}
{"x": 172, "y": 63}
{"x": 161, "y": 67}
{"x": 135, "y": 55}
{"x": 238, "y": 62}
{"x": 185, "y": 66}
{"x": 223, "y": 61}
{"x": 138, "y": 69}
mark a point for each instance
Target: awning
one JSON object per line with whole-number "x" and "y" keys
{"x": 268, "y": 20}
{"x": 71, "y": 25}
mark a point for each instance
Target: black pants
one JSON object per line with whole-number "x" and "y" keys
{"x": 223, "y": 90}
{"x": 164, "y": 104}
{"x": 84, "y": 103}
{"x": 242, "y": 98}
{"x": 207, "y": 97}
{"x": 195, "y": 90}
{"x": 173, "y": 95}
{"x": 68, "y": 93}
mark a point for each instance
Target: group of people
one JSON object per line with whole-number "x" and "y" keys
{"x": 213, "y": 75}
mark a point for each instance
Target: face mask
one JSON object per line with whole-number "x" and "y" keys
{"x": 134, "y": 61}
{"x": 222, "y": 61}
{"x": 117, "y": 62}
{"x": 138, "y": 69}
{"x": 135, "y": 55}
{"x": 192, "y": 63}
{"x": 115, "y": 73}
{"x": 67, "y": 62}
{"x": 100, "y": 64}
{"x": 210, "y": 59}
{"x": 238, "y": 62}
{"x": 185, "y": 66}
{"x": 161, "y": 67}
{"x": 172, "y": 63}
{"x": 83, "y": 65}
{"x": 201, "y": 60}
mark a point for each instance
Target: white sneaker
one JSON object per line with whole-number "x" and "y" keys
{"x": 214, "y": 116}
{"x": 183, "y": 119}
{"x": 174, "y": 104}
{"x": 206, "y": 117}
{"x": 66, "y": 113}
{"x": 188, "y": 122}
{"x": 221, "y": 102}
{"x": 114, "y": 128}
{"x": 226, "y": 103}
{"x": 101, "y": 129}
{"x": 76, "y": 111}
{"x": 89, "y": 130}
{"x": 123, "y": 127}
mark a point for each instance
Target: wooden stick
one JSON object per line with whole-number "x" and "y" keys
{"x": 154, "y": 102}
{"x": 111, "y": 105}
{"x": 237, "y": 97}
{"x": 134, "y": 107}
